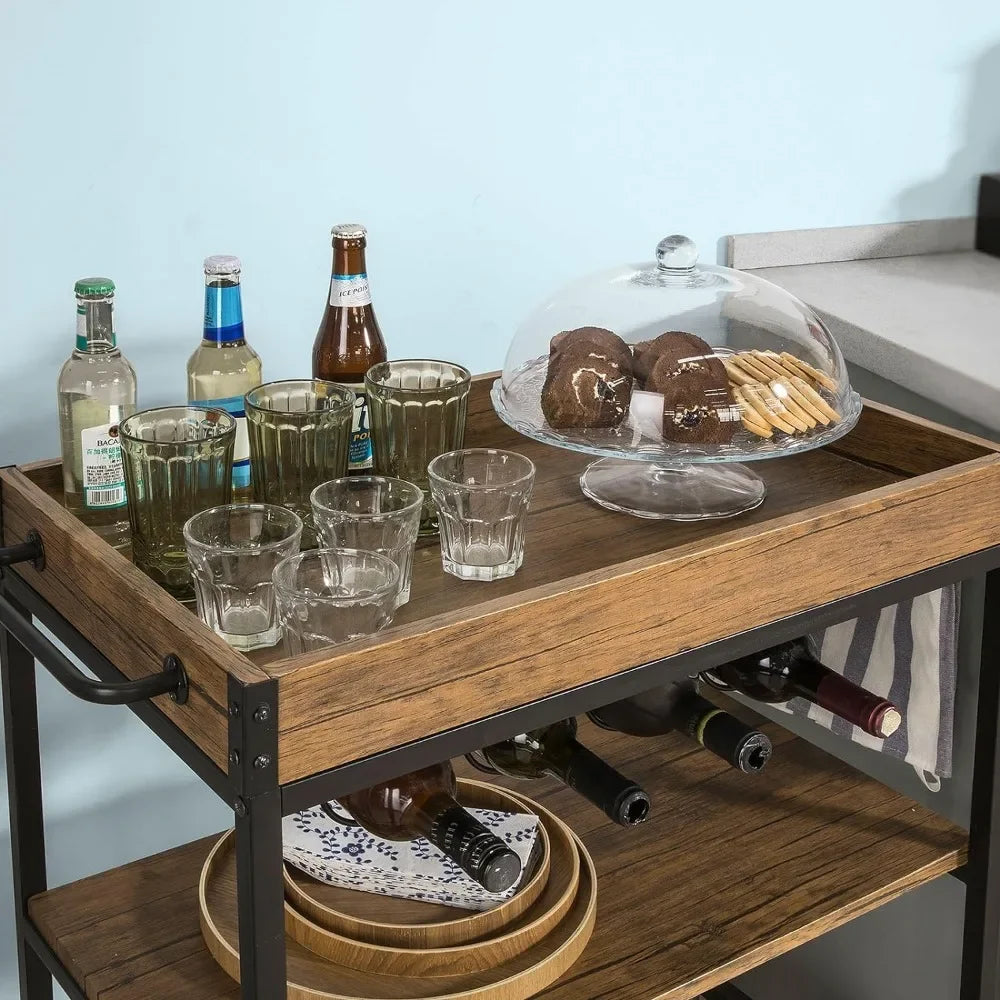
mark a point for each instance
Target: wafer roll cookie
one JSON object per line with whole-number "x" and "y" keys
{"x": 754, "y": 397}
{"x": 777, "y": 405}
{"x": 807, "y": 371}
{"x": 770, "y": 362}
{"x": 753, "y": 367}
{"x": 806, "y": 405}
{"x": 751, "y": 421}
{"x": 736, "y": 374}
{"x": 814, "y": 397}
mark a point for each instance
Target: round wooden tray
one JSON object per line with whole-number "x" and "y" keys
{"x": 531, "y": 927}
{"x": 410, "y": 923}
{"x": 311, "y": 977}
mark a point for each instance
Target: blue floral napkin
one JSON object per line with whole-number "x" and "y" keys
{"x": 353, "y": 858}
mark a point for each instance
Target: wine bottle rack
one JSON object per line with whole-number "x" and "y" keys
{"x": 604, "y": 606}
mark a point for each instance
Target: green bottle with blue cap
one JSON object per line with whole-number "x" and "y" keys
{"x": 224, "y": 368}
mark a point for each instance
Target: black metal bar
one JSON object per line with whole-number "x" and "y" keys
{"x": 462, "y": 739}
{"x": 981, "y": 935}
{"x": 30, "y": 550}
{"x": 51, "y": 962}
{"x": 725, "y": 992}
{"x": 149, "y": 713}
{"x": 171, "y": 680}
{"x": 253, "y": 771}
{"x": 24, "y": 793}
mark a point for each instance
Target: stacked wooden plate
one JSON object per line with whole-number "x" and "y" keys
{"x": 350, "y": 945}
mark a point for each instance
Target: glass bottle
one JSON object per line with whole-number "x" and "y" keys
{"x": 224, "y": 367}
{"x": 679, "y": 708}
{"x": 349, "y": 340}
{"x": 792, "y": 670}
{"x": 423, "y": 804}
{"x": 96, "y": 391}
{"x": 554, "y": 751}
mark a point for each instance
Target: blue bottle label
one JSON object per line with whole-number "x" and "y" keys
{"x": 223, "y": 313}
{"x": 359, "y": 455}
{"x": 241, "y": 453}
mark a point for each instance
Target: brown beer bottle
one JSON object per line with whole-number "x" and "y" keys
{"x": 423, "y": 804}
{"x": 349, "y": 340}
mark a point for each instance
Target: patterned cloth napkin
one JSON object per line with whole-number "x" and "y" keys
{"x": 353, "y": 858}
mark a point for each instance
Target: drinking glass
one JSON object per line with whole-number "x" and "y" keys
{"x": 233, "y": 551}
{"x": 482, "y": 498}
{"x": 416, "y": 409}
{"x": 376, "y": 513}
{"x": 326, "y": 596}
{"x": 178, "y": 461}
{"x": 300, "y": 432}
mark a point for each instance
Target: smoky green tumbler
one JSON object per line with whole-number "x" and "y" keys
{"x": 178, "y": 461}
{"x": 417, "y": 410}
{"x": 300, "y": 432}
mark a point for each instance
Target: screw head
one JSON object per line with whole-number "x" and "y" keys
{"x": 234, "y": 710}
{"x": 262, "y": 761}
{"x": 241, "y": 807}
{"x": 263, "y": 713}
{"x": 234, "y": 757}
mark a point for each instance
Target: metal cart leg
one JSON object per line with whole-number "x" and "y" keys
{"x": 24, "y": 792}
{"x": 981, "y": 937}
{"x": 253, "y": 770}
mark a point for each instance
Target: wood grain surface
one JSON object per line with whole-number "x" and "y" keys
{"x": 600, "y": 592}
{"x": 533, "y": 925}
{"x": 729, "y": 871}
{"x": 412, "y": 923}
{"x": 131, "y": 620}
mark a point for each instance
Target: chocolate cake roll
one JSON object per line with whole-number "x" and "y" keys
{"x": 696, "y": 410}
{"x": 608, "y": 343}
{"x": 585, "y": 387}
{"x": 672, "y": 353}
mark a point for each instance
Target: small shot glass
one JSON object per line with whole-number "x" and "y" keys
{"x": 328, "y": 596}
{"x": 482, "y": 498}
{"x": 376, "y": 513}
{"x": 233, "y": 551}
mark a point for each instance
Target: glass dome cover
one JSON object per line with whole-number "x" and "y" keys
{"x": 717, "y": 365}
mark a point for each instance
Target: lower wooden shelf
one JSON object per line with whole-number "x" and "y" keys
{"x": 730, "y": 871}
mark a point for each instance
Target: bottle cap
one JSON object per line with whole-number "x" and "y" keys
{"x": 348, "y": 231}
{"x": 94, "y": 286}
{"x": 500, "y": 871}
{"x": 222, "y": 263}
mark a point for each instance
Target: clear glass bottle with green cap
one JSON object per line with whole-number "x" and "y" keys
{"x": 224, "y": 367}
{"x": 96, "y": 390}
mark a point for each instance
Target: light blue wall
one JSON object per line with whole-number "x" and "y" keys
{"x": 493, "y": 152}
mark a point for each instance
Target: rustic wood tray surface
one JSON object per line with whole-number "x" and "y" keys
{"x": 728, "y": 872}
{"x": 599, "y": 592}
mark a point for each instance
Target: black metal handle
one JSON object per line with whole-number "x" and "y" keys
{"x": 172, "y": 680}
{"x": 29, "y": 550}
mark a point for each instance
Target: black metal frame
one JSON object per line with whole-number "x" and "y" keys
{"x": 258, "y": 801}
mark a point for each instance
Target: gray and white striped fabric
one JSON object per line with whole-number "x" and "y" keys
{"x": 907, "y": 653}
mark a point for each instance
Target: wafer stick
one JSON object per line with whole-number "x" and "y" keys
{"x": 781, "y": 391}
{"x": 750, "y": 364}
{"x": 749, "y": 416}
{"x": 814, "y": 397}
{"x": 736, "y": 374}
{"x": 777, "y": 405}
{"x": 808, "y": 371}
{"x": 755, "y": 399}
{"x": 800, "y": 397}
{"x": 771, "y": 362}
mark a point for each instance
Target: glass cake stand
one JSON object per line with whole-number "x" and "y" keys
{"x": 756, "y": 328}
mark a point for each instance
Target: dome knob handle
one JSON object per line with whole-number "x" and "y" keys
{"x": 676, "y": 253}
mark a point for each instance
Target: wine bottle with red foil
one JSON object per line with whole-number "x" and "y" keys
{"x": 793, "y": 670}
{"x": 679, "y": 708}
{"x": 423, "y": 804}
{"x": 554, "y": 751}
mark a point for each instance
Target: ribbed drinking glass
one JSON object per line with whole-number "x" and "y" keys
{"x": 416, "y": 409}
{"x": 178, "y": 461}
{"x": 300, "y": 432}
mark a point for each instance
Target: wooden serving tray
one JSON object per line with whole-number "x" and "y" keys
{"x": 896, "y": 495}
{"x": 413, "y": 924}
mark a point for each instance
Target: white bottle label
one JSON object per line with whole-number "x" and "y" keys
{"x": 103, "y": 474}
{"x": 241, "y": 452}
{"x": 350, "y": 290}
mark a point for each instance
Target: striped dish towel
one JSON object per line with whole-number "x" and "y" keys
{"x": 908, "y": 654}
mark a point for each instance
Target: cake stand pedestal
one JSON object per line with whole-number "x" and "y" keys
{"x": 678, "y": 492}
